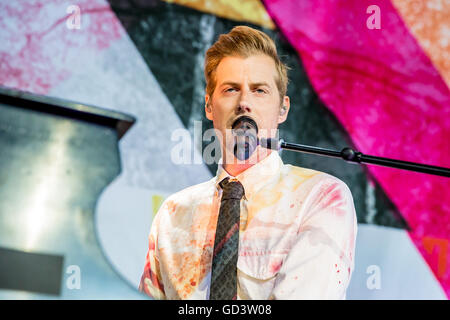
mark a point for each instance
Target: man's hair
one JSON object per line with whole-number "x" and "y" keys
{"x": 243, "y": 41}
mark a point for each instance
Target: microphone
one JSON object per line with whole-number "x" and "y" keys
{"x": 245, "y": 131}
{"x": 270, "y": 143}
{"x": 354, "y": 156}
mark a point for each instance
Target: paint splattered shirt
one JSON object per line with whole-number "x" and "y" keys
{"x": 297, "y": 236}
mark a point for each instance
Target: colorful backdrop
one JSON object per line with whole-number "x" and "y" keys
{"x": 373, "y": 75}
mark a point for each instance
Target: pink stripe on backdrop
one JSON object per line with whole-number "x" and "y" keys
{"x": 37, "y": 46}
{"x": 391, "y": 100}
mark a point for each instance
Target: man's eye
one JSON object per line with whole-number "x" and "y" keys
{"x": 230, "y": 89}
{"x": 260, "y": 90}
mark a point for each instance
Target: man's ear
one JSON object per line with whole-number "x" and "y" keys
{"x": 208, "y": 109}
{"x": 284, "y": 110}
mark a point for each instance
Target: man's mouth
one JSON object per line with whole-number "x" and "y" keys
{"x": 245, "y": 131}
{"x": 244, "y": 123}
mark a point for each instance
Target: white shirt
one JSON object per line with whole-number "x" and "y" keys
{"x": 297, "y": 236}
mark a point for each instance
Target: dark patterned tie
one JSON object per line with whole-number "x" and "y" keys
{"x": 226, "y": 243}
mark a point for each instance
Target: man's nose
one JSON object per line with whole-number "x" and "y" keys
{"x": 244, "y": 105}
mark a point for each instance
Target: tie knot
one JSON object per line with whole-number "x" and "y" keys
{"x": 232, "y": 189}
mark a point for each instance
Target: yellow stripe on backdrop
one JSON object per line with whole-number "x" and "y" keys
{"x": 252, "y": 11}
{"x": 157, "y": 201}
{"x": 429, "y": 22}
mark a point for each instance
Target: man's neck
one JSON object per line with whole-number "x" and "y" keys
{"x": 235, "y": 168}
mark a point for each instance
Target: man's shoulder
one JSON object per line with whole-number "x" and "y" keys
{"x": 311, "y": 177}
{"x": 299, "y": 171}
{"x": 192, "y": 193}
{"x": 323, "y": 190}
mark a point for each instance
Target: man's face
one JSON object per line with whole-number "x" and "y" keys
{"x": 246, "y": 86}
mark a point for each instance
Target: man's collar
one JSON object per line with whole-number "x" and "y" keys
{"x": 256, "y": 176}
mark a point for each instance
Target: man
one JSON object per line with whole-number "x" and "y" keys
{"x": 259, "y": 229}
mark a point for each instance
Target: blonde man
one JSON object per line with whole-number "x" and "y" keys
{"x": 259, "y": 229}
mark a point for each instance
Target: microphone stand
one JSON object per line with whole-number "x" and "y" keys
{"x": 355, "y": 156}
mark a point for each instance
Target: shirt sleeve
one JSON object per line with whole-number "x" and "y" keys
{"x": 320, "y": 262}
{"x": 151, "y": 283}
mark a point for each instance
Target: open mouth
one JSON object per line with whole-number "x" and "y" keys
{"x": 245, "y": 132}
{"x": 245, "y": 123}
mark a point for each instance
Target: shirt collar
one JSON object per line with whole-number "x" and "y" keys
{"x": 254, "y": 177}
